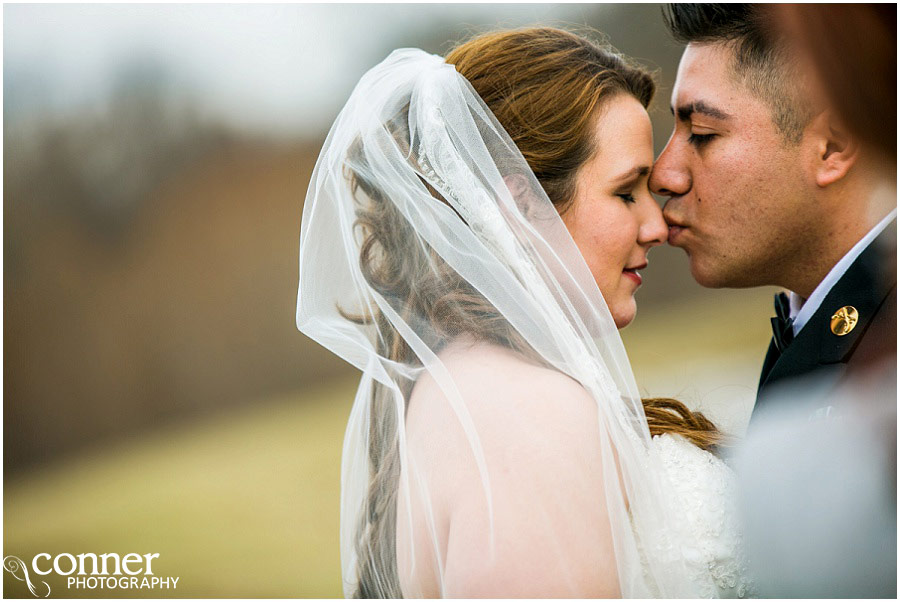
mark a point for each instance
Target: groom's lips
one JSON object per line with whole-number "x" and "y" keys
{"x": 675, "y": 232}
{"x": 676, "y": 228}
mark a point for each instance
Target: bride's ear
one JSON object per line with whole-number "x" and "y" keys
{"x": 521, "y": 191}
{"x": 517, "y": 185}
{"x": 836, "y": 148}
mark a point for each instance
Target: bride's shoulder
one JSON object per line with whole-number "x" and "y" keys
{"x": 493, "y": 379}
{"x": 510, "y": 400}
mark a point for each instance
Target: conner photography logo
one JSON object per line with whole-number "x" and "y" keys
{"x": 89, "y": 571}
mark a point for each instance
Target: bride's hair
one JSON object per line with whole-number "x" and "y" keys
{"x": 544, "y": 86}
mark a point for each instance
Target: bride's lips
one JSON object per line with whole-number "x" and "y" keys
{"x": 632, "y": 273}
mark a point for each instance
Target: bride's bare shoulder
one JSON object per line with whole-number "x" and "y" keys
{"x": 535, "y": 432}
{"x": 503, "y": 394}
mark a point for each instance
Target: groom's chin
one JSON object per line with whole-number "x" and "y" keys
{"x": 711, "y": 275}
{"x": 704, "y": 275}
{"x": 702, "y": 272}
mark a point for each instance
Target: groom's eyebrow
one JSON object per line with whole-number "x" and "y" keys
{"x": 698, "y": 106}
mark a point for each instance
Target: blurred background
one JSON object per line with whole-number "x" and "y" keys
{"x": 157, "y": 396}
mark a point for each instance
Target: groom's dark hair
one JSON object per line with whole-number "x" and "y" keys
{"x": 761, "y": 61}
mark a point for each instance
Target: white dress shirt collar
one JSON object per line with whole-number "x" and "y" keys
{"x": 800, "y": 311}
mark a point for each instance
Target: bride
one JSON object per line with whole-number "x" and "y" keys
{"x": 472, "y": 239}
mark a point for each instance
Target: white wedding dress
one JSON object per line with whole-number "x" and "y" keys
{"x": 711, "y": 540}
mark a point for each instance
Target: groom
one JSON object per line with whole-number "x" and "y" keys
{"x": 767, "y": 187}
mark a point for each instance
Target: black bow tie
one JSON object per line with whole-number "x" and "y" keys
{"x": 782, "y": 324}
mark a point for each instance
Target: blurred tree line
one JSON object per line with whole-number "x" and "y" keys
{"x": 149, "y": 268}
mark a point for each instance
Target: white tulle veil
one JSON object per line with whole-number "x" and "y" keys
{"x": 412, "y": 130}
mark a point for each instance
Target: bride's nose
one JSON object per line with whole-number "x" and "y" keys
{"x": 652, "y": 230}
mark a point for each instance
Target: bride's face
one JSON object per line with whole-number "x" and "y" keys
{"x": 613, "y": 218}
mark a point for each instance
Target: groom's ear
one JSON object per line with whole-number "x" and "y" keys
{"x": 836, "y": 149}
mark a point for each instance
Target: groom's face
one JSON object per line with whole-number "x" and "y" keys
{"x": 735, "y": 186}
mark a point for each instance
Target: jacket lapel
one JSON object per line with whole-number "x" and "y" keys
{"x": 864, "y": 286}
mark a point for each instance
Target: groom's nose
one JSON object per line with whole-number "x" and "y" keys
{"x": 670, "y": 176}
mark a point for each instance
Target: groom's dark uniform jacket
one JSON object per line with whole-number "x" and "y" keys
{"x": 870, "y": 286}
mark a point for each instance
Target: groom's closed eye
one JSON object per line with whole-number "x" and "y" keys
{"x": 699, "y": 140}
{"x": 684, "y": 112}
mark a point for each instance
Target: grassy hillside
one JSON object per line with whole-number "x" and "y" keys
{"x": 244, "y": 505}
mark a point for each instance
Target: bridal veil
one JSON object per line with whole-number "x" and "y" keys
{"x": 471, "y": 227}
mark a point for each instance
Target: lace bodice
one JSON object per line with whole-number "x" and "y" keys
{"x": 706, "y": 488}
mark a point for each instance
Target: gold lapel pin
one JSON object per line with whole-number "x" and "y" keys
{"x": 844, "y": 320}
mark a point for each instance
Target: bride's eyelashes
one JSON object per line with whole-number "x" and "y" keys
{"x": 627, "y": 190}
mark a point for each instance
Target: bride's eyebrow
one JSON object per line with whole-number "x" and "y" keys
{"x": 641, "y": 170}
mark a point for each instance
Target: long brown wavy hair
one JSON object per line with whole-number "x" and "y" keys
{"x": 544, "y": 86}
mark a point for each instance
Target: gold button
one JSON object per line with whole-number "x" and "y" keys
{"x": 844, "y": 320}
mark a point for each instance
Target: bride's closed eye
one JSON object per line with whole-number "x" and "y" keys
{"x": 633, "y": 182}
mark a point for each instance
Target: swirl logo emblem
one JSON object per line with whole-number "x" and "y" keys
{"x": 19, "y": 570}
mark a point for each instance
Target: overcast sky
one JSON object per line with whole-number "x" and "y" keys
{"x": 278, "y": 68}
